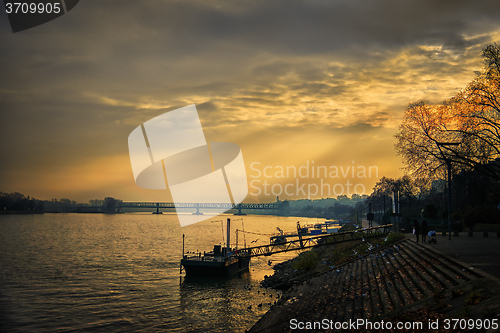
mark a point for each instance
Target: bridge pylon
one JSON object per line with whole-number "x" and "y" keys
{"x": 239, "y": 210}
{"x": 158, "y": 211}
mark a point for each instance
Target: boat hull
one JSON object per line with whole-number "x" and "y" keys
{"x": 214, "y": 267}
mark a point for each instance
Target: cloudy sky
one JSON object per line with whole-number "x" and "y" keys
{"x": 293, "y": 83}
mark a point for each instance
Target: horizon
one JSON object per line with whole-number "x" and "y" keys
{"x": 289, "y": 82}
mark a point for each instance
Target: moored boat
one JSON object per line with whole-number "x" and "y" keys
{"x": 220, "y": 261}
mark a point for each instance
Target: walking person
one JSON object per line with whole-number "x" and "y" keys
{"x": 416, "y": 228}
{"x": 425, "y": 230}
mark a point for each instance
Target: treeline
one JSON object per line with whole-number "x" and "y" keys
{"x": 474, "y": 199}
{"x": 108, "y": 205}
{"x": 13, "y": 203}
{"x": 341, "y": 207}
{"x": 19, "y": 203}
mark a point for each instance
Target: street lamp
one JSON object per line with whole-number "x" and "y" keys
{"x": 448, "y": 164}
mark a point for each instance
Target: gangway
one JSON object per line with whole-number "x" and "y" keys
{"x": 307, "y": 242}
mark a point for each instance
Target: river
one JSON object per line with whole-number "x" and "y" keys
{"x": 120, "y": 273}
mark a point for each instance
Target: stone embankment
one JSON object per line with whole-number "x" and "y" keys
{"x": 404, "y": 281}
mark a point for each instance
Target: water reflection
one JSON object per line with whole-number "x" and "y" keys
{"x": 228, "y": 304}
{"x": 116, "y": 273}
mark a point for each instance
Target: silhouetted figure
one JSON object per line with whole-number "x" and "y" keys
{"x": 425, "y": 230}
{"x": 432, "y": 237}
{"x": 416, "y": 228}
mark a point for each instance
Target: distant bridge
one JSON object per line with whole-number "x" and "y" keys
{"x": 227, "y": 206}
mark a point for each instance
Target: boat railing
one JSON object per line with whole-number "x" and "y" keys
{"x": 200, "y": 257}
{"x": 290, "y": 233}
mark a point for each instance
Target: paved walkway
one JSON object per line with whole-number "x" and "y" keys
{"x": 478, "y": 251}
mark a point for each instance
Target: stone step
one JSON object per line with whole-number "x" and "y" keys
{"x": 442, "y": 271}
{"x": 412, "y": 289}
{"x": 372, "y": 294}
{"x": 426, "y": 270}
{"x": 366, "y": 302}
{"x": 353, "y": 300}
{"x": 452, "y": 265}
{"x": 346, "y": 291}
{"x": 403, "y": 294}
{"x": 422, "y": 282}
{"x": 377, "y": 283}
{"x": 375, "y": 276}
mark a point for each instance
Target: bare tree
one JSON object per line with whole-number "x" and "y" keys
{"x": 420, "y": 139}
{"x": 477, "y": 110}
{"x": 463, "y": 132}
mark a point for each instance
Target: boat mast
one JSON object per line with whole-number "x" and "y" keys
{"x": 228, "y": 228}
{"x": 182, "y": 252}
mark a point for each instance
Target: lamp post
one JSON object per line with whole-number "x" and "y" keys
{"x": 448, "y": 164}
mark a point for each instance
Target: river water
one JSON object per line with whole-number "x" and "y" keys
{"x": 120, "y": 273}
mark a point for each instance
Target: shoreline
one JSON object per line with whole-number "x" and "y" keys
{"x": 378, "y": 286}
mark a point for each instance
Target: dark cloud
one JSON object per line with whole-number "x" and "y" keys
{"x": 320, "y": 26}
{"x": 72, "y": 89}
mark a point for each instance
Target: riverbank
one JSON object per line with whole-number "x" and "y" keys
{"x": 321, "y": 260}
{"x": 403, "y": 282}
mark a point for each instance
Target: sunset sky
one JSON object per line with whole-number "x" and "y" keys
{"x": 293, "y": 83}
